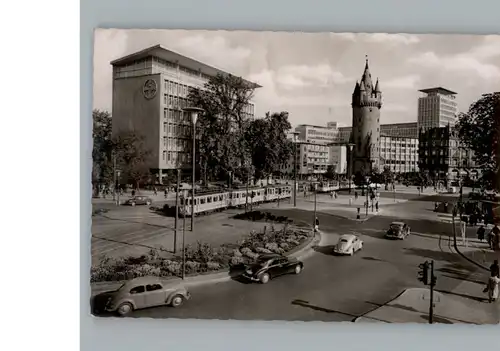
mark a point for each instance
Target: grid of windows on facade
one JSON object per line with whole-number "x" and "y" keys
{"x": 320, "y": 135}
{"x": 400, "y": 154}
{"x": 436, "y": 111}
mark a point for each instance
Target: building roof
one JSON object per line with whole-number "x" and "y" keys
{"x": 313, "y": 126}
{"x": 439, "y": 90}
{"x": 171, "y": 56}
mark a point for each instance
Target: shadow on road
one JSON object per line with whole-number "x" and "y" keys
{"x": 431, "y": 254}
{"x": 475, "y": 298}
{"x": 373, "y": 259}
{"x": 306, "y": 304}
{"x": 325, "y": 250}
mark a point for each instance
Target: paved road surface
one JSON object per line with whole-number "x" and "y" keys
{"x": 335, "y": 288}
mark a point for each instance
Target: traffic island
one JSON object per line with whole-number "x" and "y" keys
{"x": 203, "y": 263}
{"x": 412, "y": 306}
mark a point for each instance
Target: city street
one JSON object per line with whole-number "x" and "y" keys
{"x": 338, "y": 288}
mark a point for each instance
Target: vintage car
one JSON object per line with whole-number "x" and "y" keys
{"x": 348, "y": 244}
{"x": 397, "y": 230}
{"x": 270, "y": 266}
{"x": 139, "y": 293}
{"x": 138, "y": 200}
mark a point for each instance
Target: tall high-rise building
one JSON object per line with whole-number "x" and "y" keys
{"x": 150, "y": 89}
{"x": 366, "y": 105}
{"x": 436, "y": 109}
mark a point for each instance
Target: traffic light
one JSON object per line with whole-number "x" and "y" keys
{"x": 423, "y": 273}
{"x": 433, "y": 280}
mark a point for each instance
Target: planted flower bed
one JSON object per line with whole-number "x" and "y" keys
{"x": 202, "y": 258}
{"x": 262, "y": 216}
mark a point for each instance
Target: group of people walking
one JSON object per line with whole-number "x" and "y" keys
{"x": 492, "y": 238}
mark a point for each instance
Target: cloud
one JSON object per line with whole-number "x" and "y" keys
{"x": 321, "y": 75}
{"x": 472, "y": 61}
{"x": 277, "y": 86}
{"x": 406, "y": 82}
{"x": 108, "y": 45}
{"x": 343, "y": 36}
{"x": 215, "y": 50}
{"x": 384, "y": 38}
{"x": 395, "y": 107}
{"x": 396, "y": 39}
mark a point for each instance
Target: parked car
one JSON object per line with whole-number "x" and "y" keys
{"x": 348, "y": 244}
{"x": 142, "y": 292}
{"x": 270, "y": 266}
{"x": 138, "y": 200}
{"x": 398, "y": 230}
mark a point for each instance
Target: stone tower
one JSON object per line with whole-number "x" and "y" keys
{"x": 366, "y": 105}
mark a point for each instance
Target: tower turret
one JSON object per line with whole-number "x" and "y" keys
{"x": 366, "y": 105}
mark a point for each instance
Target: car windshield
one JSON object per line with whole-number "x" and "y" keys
{"x": 345, "y": 241}
{"x": 396, "y": 226}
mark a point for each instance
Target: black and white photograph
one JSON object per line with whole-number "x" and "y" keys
{"x": 292, "y": 176}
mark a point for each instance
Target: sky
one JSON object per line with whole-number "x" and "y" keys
{"x": 312, "y": 75}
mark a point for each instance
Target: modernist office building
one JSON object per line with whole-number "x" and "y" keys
{"x": 436, "y": 108}
{"x": 150, "y": 89}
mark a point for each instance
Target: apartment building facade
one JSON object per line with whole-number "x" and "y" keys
{"x": 436, "y": 108}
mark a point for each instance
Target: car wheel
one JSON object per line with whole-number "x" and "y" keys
{"x": 264, "y": 278}
{"x": 177, "y": 301}
{"x": 125, "y": 309}
{"x": 298, "y": 269}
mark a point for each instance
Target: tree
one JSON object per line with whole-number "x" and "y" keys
{"x": 330, "y": 172}
{"x": 102, "y": 163}
{"x": 131, "y": 157}
{"x": 222, "y": 125}
{"x": 388, "y": 176}
{"x": 479, "y": 130}
{"x": 268, "y": 145}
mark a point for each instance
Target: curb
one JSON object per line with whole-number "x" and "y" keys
{"x": 460, "y": 253}
{"x": 213, "y": 278}
{"x": 363, "y": 316}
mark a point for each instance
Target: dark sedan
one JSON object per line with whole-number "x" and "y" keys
{"x": 138, "y": 200}
{"x": 398, "y": 230}
{"x": 270, "y": 266}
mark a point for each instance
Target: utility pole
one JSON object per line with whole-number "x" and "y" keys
{"x": 367, "y": 187}
{"x": 184, "y": 201}
{"x": 432, "y": 283}
{"x": 314, "y": 219}
{"x": 177, "y": 208}
{"x": 294, "y": 171}
{"x": 114, "y": 176}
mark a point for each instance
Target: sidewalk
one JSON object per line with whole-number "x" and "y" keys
{"x": 412, "y": 306}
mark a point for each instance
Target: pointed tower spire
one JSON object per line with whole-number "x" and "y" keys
{"x": 362, "y": 86}
{"x": 367, "y": 77}
{"x": 356, "y": 88}
{"x": 377, "y": 87}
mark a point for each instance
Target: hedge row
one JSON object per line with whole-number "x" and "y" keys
{"x": 259, "y": 216}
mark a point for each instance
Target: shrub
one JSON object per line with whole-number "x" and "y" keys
{"x": 271, "y": 246}
{"x": 263, "y": 250}
{"x": 213, "y": 266}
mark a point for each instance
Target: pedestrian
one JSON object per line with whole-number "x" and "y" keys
{"x": 133, "y": 192}
{"x": 492, "y": 236}
{"x": 331, "y": 195}
{"x": 492, "y": 288}
{"x": 376, "y": 206}
{"x": 494, "y": 269}
{"x": 480, "y": 233}
{"x": 316, "y": 224}
{"x": 436, "y": 206}
{"x": 165, "y": 192}
{"x": 336, "y": 195}
{"x": 355, "y": 195}
{"x": 154, "y": 191}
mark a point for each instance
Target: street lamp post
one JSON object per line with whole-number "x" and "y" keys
{"x": 114, "y": 176}
{"x": 314, "y": 219}
{"x": 295, "y": 169}
{"x": 350, "y": 146}
{"x": 118, "y": 193}
{"x": 177, "y": 207}
{"x": 194, "y": 117}
{"x": 184, "y": 195}
{"x": 367, "y": 185}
